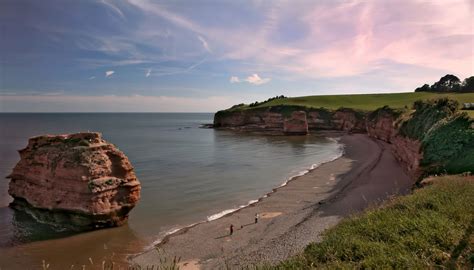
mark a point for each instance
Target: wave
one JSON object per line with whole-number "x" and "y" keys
{"x": 229, "y": 211}
{"x": 316, "y": 165}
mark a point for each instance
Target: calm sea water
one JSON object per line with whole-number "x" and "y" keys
{"x": 188, "y": 175}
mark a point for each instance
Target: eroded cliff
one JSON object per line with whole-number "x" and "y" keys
{"x": 282, "y": 119}
{"x": 78, "y": 181}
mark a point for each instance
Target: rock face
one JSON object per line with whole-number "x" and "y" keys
{"x": 272, "y": 119}
{"x": 382, "y": 127}
{"x": 407, "y": 151}
{"x": 78, "y": 181}
{"x": 296, "y": 124}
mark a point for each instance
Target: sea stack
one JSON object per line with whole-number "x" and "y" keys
{"x": 296, "y": 124}
{"x": 78, "y": 181}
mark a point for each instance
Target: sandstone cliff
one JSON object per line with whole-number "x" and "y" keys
{"x": 381, "y": 124}
{"x": 78, "y": 181}
{"x": 280, "y": 119}
{"x": 296, "y": 124}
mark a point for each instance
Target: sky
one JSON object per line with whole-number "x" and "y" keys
{"x": 206, "y": 55}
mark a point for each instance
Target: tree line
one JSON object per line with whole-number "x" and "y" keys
{"x": 449, "y": 83}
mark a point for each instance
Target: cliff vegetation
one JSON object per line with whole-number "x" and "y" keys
{"x": 446, "y": 136}
{"x": 431, "y": 228}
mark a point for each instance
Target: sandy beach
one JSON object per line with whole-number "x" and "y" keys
{"x": 292, "y": 216}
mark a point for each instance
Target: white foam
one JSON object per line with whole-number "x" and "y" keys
{"x": 169, "y": 232}
{"x": 315, "y": 165}
{"x": 228, "y": 211}
{"x": 221, "y": 214}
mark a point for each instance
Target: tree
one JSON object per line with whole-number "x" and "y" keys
{"x": 447, "y": 83}
{"x": 424, "y": 88}
{"x": 468, "y": 85}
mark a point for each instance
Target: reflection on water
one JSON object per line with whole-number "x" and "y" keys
{"x": 187, "y": 174}
{"x": 22, "y": 228}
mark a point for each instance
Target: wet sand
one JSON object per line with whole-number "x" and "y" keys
{"x": 293, "y": 216}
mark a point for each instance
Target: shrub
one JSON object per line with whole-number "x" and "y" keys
{"x": 256, "y": 103}
{"x": 448, "y": 140}
{"x": 384, "y": 111}
{"x": 427, "y": 113}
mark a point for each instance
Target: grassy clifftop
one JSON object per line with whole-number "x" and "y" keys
{"x": 432, "y": 228}
{"x": 367, "y": 102}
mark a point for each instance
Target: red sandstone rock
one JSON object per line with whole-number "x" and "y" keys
{"x": 78, "y": 180}
{"x": 348, "y": 120}
{"x": 407, "y": 151}
{"x": 296, "y": 124}
{"x": 271, "y": 119}
{"x": 382, "y": 127}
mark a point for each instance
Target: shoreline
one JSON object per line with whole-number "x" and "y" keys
{"x": 286, "y": 216}
{"x": 170, "y": 233}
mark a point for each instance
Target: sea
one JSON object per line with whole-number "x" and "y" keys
{"x": 188, "y": 174}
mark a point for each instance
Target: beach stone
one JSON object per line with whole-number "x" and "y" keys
{"x": 77, "y": 181}
{"x": 296, "y": 124}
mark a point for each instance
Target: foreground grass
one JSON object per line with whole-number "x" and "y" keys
{"x": 429, "y": 229}
{"x": 365, "y": 101}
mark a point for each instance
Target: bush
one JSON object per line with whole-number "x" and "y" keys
{"x": 383, "y": 112}
{"x": 256, "y": 103}
{"x": 448, "y": 140}
{"x": 427, "y": 113}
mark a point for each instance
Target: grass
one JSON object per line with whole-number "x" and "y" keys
{"x": 470, "y": 113}
{"x": 364, "y": 101}
{"x": 432, "y": 228}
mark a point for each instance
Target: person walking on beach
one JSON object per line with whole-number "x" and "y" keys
{"x": 256, "y": 218}
{"x": 231, "y": 229}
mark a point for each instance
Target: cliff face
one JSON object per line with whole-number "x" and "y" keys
{"x": 382, "y": 127}
{"x": 407, "y": 151}
{"x": 276, "y": 119}
{"x": 78, "y": 181}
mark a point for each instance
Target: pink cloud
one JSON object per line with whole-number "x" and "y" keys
{"x": 344, "y": 38}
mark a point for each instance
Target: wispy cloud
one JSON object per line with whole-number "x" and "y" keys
{"x": 156, "y": 9}
{"x": 113, "y": 8}
{"x": 205, "y": 44}
{"x": 166, "y": 71}
{"x": 252, "y": 79}
{"x": 109, "y": 73}
{"x": 298, "y": 45}
{"x": 234, "y": 79}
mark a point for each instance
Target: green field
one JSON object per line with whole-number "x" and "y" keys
{"x": 365, "y": 101}
{"x": 430, "y": 229}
